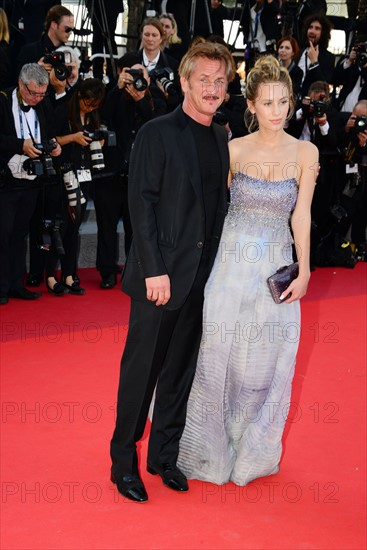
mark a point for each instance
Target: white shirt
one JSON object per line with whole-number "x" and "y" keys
{"x": 150, "y": 65}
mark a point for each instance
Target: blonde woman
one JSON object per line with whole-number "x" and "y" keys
{"x": 171, "y": 43}
{"x": 241, "y": 392}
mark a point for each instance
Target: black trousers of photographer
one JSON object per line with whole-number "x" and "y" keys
{"x": 111, "y": 204}
{"x": 57, "y": 207}
{"x": 16, "y": 209}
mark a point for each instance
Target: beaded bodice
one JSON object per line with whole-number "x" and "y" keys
{"x": 257, "y": 203}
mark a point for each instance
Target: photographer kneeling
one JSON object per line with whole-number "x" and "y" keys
{"x": 77, "y": 128}
{"x": 132, "y": 102}
{"x": 26, "y": 146}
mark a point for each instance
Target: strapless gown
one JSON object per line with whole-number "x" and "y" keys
{"x": 241, "y": 391}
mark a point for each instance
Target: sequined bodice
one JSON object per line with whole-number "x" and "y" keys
{"x": 257, "y": 203}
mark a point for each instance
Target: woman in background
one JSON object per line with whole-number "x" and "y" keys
{"x": 288, "y": 51}
{"x": 5, "y": 64}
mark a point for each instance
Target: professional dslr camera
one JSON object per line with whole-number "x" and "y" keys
{"x": 139, "y": 81}
{"x": 42, "y": 165}
{"x": 314, "y": 108}
{"x": 361, "y": 51}
{"x": 220, "y": 117}
{"x": 165, "y": 77}
{"x": 360, "y": 124}
{"x": 58, "y": 60}
{"x": 96, "y": 153}
{"x": 50, "y": 236}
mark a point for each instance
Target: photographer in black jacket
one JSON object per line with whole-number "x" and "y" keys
{"x": 132, "y": 102}
{"x": 26, "y": 118}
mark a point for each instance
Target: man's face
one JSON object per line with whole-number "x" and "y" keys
{"x": 205, "y": 90}
{"x": 319, "y": 96}
{"x": 61, "y": 32}
{"x": 32, "y": 93}
{"x": 314, "y": 32}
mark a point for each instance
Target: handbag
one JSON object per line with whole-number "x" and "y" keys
{"x": 281, "y": 279}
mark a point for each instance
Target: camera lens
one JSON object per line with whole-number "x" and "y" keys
{"x": 96, "y": 156}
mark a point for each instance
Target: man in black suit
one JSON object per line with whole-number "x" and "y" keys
{"x": 59, "y": 24}
{"x": 315, "y": 60}
{"x": 25, "y": 121}
{"x": 177, "y": 199}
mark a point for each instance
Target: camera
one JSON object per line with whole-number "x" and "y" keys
{"x": 42, "y": 165}
{"x": 102, "y": 133}
{"x": 360, "y": 124}
{"x": 50, "y": 236}
{"x": 58, "y": 60}
{"x": 165, "y": 77}
{"x": 361, "y": 51}
{"x": 319, "y": 107}
{"x": 139, "y": 81}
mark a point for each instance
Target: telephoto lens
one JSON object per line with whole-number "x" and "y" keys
{"x": 73, "y": 188}
{"x": 96, "y": 155}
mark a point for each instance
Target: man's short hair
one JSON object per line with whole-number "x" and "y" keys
{"x": 319, "y": 87}
{"x": 32, "y": 72}
{"x": 55, "y": 14}
{"x": 207, "y": 50}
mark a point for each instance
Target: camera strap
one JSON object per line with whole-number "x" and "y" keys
{"x": 21, "y": 113}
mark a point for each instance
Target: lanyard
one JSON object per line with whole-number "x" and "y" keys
{"x": 20, "y": 112}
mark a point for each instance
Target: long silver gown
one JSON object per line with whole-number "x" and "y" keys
{"x": 240, "y": 396}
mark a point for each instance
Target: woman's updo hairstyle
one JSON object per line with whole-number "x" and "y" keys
{"x": 266, "y": 69}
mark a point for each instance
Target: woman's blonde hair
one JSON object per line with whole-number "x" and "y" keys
{"x": 174, "y": 38}
{"x": 266, "y": 69}
{"x": 4, "y": 26}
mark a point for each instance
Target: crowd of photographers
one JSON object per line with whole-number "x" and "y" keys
{"x": 65, "y": 137}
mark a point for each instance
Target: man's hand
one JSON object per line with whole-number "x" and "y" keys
{"x": 313, "y": 53}
{"x": 350, "y": 123}
{"x": 158, "y": 289}
{"x": 57, "y": 151}
{"x": 124, "y": 78}
{"x": 58, "y": 85}
{"x": 362, "y": 138}
{"x": 46, "y": 66}
{"x": 29, "y": 149}
{"x": 322, "y": 120}
{"x": 135, "y": 94}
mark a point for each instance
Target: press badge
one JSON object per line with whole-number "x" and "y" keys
{"x": 84, "y": 175}
{"x": 351, "y": 168}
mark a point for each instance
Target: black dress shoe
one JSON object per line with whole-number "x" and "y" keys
{"x": 24, "y": 294}
{"x": 3, "y": 299}
{"x": 131, "y": 487}
{"x": 74, "y": 288}
{"x": 171, "y": 476}
{"x": 58, "y": 289}
{"x": 109, "y": 281}
{"x": 34, "y": 279}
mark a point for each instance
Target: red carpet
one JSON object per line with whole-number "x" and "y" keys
{"x": 59, "y": 373}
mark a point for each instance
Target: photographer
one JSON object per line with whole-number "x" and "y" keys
{"x": 59, "y": 24}
{"x": 132, "y": 102}
{"x": 316, "y": 62}
{"x": 77, "y": 124}
{"x": 162, "y": 68}
{"x": 354, "y": 194}
{"x": 26, "y": 118}
{"x": 351, "y": 74}
{"x": 315, "y": 121}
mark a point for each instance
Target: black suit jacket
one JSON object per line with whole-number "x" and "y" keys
{"x": 167, "y": 209}
{"x": 348, "y": 78}
{"x": 10, "y": 144}
{"x": 324, "y": 70}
